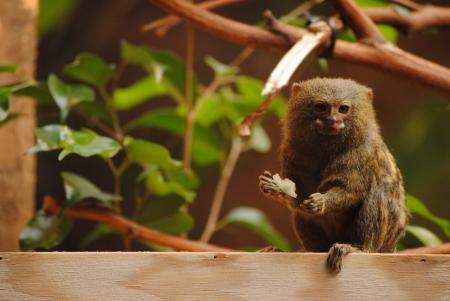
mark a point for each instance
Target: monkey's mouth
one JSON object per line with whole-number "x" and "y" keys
{"x": 329, "y": 129}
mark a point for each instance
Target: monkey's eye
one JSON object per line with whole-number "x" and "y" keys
{"x": 320, "y": 107}
{"x": 344, "y": 109}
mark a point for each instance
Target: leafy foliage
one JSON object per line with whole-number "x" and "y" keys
{"x": 164, "y": 188}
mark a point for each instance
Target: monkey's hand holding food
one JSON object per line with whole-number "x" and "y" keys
{"x": 278, "y": 189}
{"x": 314, "y": 204}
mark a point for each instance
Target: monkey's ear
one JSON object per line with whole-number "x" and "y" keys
{"x": 295, "y": 89}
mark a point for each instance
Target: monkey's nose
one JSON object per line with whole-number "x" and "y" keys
{"x": 331, "y": 120}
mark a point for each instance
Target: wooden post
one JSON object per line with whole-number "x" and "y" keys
{"x": 17, "y": 170}
{"x": 221, "y": 276}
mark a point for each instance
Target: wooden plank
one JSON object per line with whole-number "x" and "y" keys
{"x": 221, "y": 276}
{"x": 17, "y": 170}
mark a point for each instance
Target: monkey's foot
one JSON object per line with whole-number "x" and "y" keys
{"x": 272, "y": 190}
{"x": 314, "y": 204}
{"x": 336, "y": 254}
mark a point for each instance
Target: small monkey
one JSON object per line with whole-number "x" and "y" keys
{"x": 350, "y": 195}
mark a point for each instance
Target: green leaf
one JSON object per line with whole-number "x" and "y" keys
{"x": 163, "y": 65}
{"x": 78, "y": 188}
{"x": 4, "y": 103}
{"x": 85, "y": 143}
{"x": 372, "y": 3}
{"x": 90, "y": 69}
{"x": 418, "y": 207}
{"x": 424, "y": 235}
{"x": 95, "y": 110}
{"x": 66, "y": 96}
{"x": 250, "y": 97}
{"x": 98, "y": 232}
{"x": 389, "y": 32}
{"x": 209, "y": 113}
{"x": 149, "y": 153}
{"x": 38, "y": 91}
{"x": 45, "y": 231}
{"x": 10, "y": 68}
{"x": 207, "y": 145}
{"x": 166, "y": 215}
{"x": 175, "y": 224}
{"x": 257, "y": 222}
{"x": 52, "y": 14}
{"x": 220, "y": 69}
{"x": 129, "y": 97}
{"x": 259, "y": 139}
{"x": 158, "y": 184}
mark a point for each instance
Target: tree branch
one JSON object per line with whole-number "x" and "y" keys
{"x": 401, "y": 63}
{"x": 358, "y": 21}
{"x": 424, "y": 17}
{"x": 163, "y": 25}
{"x": 219, "y": 195}
{"x": 132, "y": 229}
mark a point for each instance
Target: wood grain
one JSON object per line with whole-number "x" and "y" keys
{"x": 221, "y": 276}
{"x": 17, "y": 170}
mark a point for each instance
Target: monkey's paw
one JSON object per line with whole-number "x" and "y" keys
{"x": 314, "y": 204}
{"x": 272, "y": 187}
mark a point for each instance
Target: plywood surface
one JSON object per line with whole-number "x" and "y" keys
{"x": 221, "y": 276}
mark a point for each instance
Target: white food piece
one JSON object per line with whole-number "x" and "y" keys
{"x": 286, "y": 185}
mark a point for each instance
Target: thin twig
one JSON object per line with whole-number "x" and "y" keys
{"x": 163, "y": 25}
{"x": 118, "y": 133}
{"x": 131, "y": 229}
{"x": 188, "y": 97}
{"x": 219, "y": 195}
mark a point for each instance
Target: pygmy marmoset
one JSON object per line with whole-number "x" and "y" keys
{"x": 350, "y": 195}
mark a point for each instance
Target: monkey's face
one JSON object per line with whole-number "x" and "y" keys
{"x": 329, "y": 116}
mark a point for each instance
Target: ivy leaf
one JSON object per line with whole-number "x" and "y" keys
{"x": 4, "y": 103}
{"x": 38, "y": 91}
{"x": 78, "y": 188}
{"x": 259, "y": 140}
{"x": 66, "y": 96}
{"x": 90, "y": 69}
{"x": 425, "y": 236}
{"x": 85, "y": 143}
{"x": 221, "y": 70}
{"x": 137, "y": 55}
{"x": 131, "y": 96}
{"x": 206, "y": 146}
{"x": 45, "y": 231}
{"x": 158, "y": 184}
{"x": 418, "y": 207}
{"x": 10, "y": 68}
{"x": 149, "y": 153}
{"x": 257, "y": 222}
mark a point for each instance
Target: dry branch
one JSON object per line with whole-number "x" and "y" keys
{"x": 161, "y": 26}
{"x": 400, "y": 63}
{"x": 358, "y": 21}
{"x": 132, "y": 229}
{"x": 439, "y": 249}
{"x": 425, "y": 16}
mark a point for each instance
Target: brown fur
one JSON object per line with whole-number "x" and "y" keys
{"x": 350, "y": 191}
